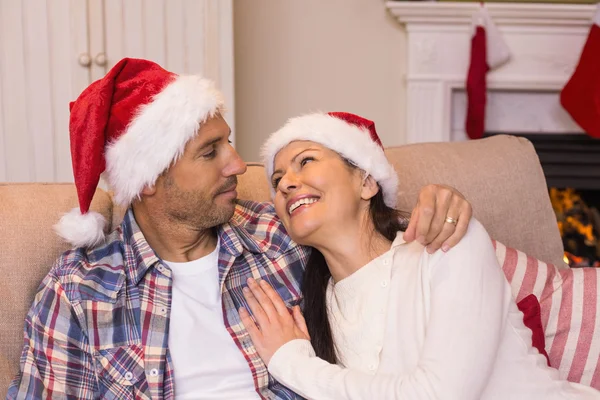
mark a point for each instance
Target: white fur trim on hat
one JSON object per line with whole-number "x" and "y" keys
{"x": 81, "y": 230}
{"x": 157, "y": 135}
{"x": 350, "y": 141}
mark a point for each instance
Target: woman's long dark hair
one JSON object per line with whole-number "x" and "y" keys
{"x": 387, "y": 221}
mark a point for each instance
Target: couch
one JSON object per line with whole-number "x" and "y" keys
{"x": 501, "y": 176}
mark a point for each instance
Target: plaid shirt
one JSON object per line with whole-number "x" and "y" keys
{"x": 99, "y": 324}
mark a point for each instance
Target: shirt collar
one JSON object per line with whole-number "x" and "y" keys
{"x": 399, "y": 240}
{"x": 141, "y": 257}
{"x": 257, "y": 231}
{"x": 241, "y": 232}
{"x": 229, "y": 240}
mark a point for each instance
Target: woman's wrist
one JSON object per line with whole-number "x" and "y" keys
{"x": 289, "y": 352}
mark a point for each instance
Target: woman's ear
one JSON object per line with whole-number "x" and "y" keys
{"x": 369, "y": 188}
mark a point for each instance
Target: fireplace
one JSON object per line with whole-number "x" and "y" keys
{"x": 545, "y": 40}
{"x": 571, "y": 165}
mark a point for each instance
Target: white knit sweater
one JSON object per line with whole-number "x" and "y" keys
{"x": 410, "y": 325}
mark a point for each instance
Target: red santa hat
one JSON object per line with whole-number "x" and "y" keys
{"x": 131, "y": 125}
{"x": 350, "y": 135}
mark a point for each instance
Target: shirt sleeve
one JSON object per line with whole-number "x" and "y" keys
{"x": 469, "y": 306}
{"x": 55, "y": 362}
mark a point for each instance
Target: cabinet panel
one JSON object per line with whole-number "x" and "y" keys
{"x": 96, "y": 48}
{"x": 67, "y": 41}
{"x": 195, "y": 35}
{"x": 39, "y": 75}
{"x": 18, "y": 154}
{"x": 38, "y": 89}
{"x": 175, "y": 39}
{"x": 154, "y": 31}
{"x": 114, "y": 45}
{"x": 133, "y": 29}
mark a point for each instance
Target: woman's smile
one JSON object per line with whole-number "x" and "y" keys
{"x": 301, "y": 202}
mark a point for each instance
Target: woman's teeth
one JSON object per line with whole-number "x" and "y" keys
{"x": 306, "y": 200}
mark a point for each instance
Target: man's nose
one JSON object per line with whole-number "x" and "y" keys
{"x": 235, "y": 164}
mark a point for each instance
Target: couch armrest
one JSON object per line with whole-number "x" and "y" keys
{"x": 28, "y": 248}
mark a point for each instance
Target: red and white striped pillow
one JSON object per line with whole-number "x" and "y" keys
{"x": 570, "y": 304}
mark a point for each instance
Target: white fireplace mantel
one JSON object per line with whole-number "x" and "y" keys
{"x": 545, "y": 41}
{"x": 512, "y": 14}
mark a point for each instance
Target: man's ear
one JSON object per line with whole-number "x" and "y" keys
{"x": 369, "y": 188}
{"x": 149, "y": 190}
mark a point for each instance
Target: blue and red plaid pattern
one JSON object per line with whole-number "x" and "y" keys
{"x": 98, "y": 327}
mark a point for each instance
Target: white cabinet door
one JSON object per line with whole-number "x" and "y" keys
{"x": 40, "y": 44}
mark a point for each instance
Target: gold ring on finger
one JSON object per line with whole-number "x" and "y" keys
{"x": 451, "y": 220}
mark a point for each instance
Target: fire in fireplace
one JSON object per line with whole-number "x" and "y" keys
{"x": 571, "y": 165}
{"x": 579, "y": 226}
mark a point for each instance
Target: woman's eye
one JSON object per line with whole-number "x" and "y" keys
{"x": 276, "y": 182}
{"x": 306, "y": 160}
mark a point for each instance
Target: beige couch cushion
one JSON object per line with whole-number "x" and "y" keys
{"x": 253, "y": 185}
{"x": 28, "y": 248}
{"x": 500, "y": 176}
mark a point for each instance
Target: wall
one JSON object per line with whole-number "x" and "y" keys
{"x": 294, "y": 57}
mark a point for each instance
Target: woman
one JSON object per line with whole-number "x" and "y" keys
{"x": 384, "y": 319}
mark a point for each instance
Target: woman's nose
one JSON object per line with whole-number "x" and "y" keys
{"x": 289, "y": 182}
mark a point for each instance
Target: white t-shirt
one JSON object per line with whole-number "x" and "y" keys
{"x": 415, "y": 326}
{"x": 206, "y": 361}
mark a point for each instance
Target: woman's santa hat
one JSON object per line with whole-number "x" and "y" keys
{"x": 132, "y": 124}
{"x": 352, "y": 136}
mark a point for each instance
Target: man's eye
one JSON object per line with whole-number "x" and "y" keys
{"x": 306, "y": 160}
{"x": 212, "y": 154}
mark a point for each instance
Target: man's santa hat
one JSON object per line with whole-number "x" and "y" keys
{"x": 132, "y": 125}
{"x": 350, "y": 135}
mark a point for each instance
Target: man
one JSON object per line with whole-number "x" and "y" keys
{"x": 151, "y": 310}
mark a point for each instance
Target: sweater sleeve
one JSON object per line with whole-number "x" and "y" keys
{"x": 469, "y": 305}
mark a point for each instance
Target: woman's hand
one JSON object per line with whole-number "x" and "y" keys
{"x": 276, "y": 324}
{"x": 429, "y": 222}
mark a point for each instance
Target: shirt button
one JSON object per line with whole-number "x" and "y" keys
{"x": 386, "y": 261}
{"x": 161, "y": 268}
{"x": 128, "y": 375}
{"x": 384, "y": 283}
{"x": 162, "y": 311}
{"x": 153, "y": 372}
{"x": 372, "y": 367}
